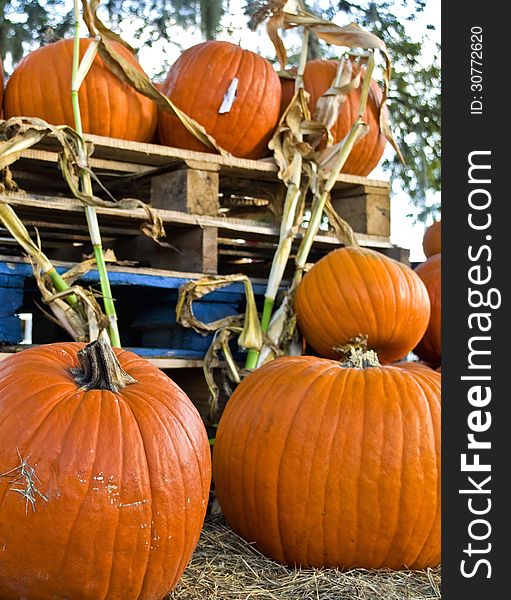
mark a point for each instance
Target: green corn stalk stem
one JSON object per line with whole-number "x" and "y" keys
{"x": 12, "y": 223}
{"x": 90, "y": 211}
{"x": 318, "y": 206}
{"x": 291, "y": 203}
{"x": 319, "y": 202}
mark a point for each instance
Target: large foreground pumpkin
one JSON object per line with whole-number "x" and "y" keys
{"x": 367, "y": 152}
{"x": 125, "y": 477}
{"x": 322, "y": 465}
{"x": 40, "y": 86}
{"x": 354, "y": 292}
{"x": 430, "y": 347}
{"x": 197, "y": 83}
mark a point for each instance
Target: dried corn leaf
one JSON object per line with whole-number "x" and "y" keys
{"x": 14, "y": 225}
{"x": 81, "y": 268}
{"x": 247, "y": 325}
{"x": 16, "y": 136}
{"x": 219, "y": 347}
{"x": 128, "y": 73}
{"x": 294, "y": 14}
{"x": 342, "y": 228}
{"x": 193, "y": 290}
{"x": 19, "y": 133}
{"x": 80, "y": 320}
{"x": 84, "y": 320}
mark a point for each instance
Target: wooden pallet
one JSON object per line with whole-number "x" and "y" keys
{"x": 146, "y": 301}
{"x": 216, "y": 210}
{"x": 217, "y": 213}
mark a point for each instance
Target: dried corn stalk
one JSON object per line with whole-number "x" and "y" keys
{"x": 130, "y": 75}
{"x": 246, "y": 327}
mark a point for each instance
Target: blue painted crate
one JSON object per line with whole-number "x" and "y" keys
{"x": 145, "y": 304}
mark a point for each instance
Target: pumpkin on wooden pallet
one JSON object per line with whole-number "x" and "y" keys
{"x": 430, "y": 346}
{"x": 353, "y": 292}
{"x": 367, "y": 152}
{"x": 432, "y": 240}
{"x": 199, "y": 81}
{"x": 325, "y": 464}
{"x": 40, "y": 86}
{"x": 105, "y": 469}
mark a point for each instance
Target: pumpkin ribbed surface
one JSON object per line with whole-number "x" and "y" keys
{"x": 322, "y": 465}
{"x": 430, "y": 347}
{"x": 356, "y": 291}
{"x": 367, "y": 152}
{"x": 432, "y": 240}
{"x": 40, "y": 86}
{"x": 126, "y": 476}
{"x": 197, "y": 83}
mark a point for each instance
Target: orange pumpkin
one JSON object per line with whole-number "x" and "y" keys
{"x": 40, "y": 86}
{"x": 287, "y": 86}
{"x": 323, "y": 465}
{"x": 367, "y": 152}
{"x": 357, "y": 291}
{"x": 430, "y": 347}
{"x": 1, "y": 87}
{"x": 197, "y": 84}
{"x": 432, "y": 240}
{"x": 120, "y": 478}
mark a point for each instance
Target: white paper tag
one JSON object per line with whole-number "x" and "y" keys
{"x": 229, "y": 97}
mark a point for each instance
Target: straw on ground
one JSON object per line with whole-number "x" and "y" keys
{"x": 225, "y": 567}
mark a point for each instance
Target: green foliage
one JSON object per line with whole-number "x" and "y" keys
{"x": 156, "y": 19}
{"x": 30, "y": 23}
{"x": 414, "y": 99}
{"x": 25, "y": 21}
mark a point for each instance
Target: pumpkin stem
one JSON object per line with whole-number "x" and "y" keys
{"x": 356, "y": 355}
{"x": 100, "y": 369}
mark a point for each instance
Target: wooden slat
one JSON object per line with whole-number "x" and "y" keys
{"x": 46, "y": 156}
{"x": 161, "y": 363}
{"x": 48, "y": 205}
{"x": 155, "y": 155}
{"x": 146, "y": 273}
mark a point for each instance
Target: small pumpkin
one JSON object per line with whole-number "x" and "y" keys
{"x": 430, "y": 347}
{"x": 40, "y": 86}
{"x": 197, "y": 83}
{"x": 432, "y": 240}
{"x": 367, "y": 152}
{"x": 322, "y": 464}
{"x": 353, "y": 292}
{"x": 115, "y": 503}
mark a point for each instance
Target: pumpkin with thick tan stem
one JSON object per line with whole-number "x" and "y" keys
{"x": 367, "y": 152}
{"x": 432, "y": 240}
{"x": 430, "y": 347}
{"x": 40, "y": 86}
{"x": 353, "y": 292}
{"x": 197, "y": 84}
{"x": 322, "y": 464}
{"x": 106, "y": 472}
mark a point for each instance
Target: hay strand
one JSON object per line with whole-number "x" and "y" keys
{"x": 225, "y": 567}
